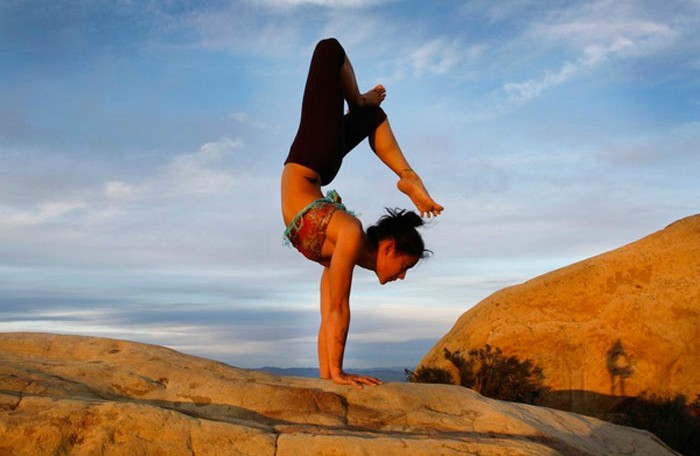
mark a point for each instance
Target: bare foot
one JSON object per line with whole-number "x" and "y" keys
{"x": 411, "y": 185}
{"x": 375, "y": 96}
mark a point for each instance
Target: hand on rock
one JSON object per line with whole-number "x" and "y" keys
{"x": 356, "y": 380}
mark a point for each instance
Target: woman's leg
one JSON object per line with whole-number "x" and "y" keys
{"x": 367, "y": 119}
{"x": 384, "y": 144}
{"x": 352, "y": 94}
{"x": 319, "y": 137}
{"x": 371, "y": 122}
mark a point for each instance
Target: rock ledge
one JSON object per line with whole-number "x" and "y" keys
{"x": 83, "y": 395}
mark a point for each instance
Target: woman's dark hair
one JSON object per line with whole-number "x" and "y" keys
{"x": 399, "y": 225}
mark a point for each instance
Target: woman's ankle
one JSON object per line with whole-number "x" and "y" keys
{"x": 407, "y": 172}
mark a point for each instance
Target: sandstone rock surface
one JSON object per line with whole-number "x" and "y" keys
{"x": 87, "y": 396}
{"x": 625, "y": 322}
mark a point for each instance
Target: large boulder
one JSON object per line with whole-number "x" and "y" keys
{"x": 623, "y": 323}
{"x": 86, "y": 396}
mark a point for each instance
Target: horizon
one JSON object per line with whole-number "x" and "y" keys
{"x": 142, "y": 147}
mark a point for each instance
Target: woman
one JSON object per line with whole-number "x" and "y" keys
{"x": 320, "y": 227}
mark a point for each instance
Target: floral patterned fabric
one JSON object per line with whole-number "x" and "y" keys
{"x": 307, "y": 232}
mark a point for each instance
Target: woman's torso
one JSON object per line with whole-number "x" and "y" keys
{"x": 301, "y": 186}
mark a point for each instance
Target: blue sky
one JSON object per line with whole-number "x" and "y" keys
{"x": 141, "y": 145}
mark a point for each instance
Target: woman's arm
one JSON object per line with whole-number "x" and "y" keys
{"x": 349, "y": 240}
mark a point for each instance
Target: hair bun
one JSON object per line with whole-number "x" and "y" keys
{"x": 414, "y": 219}
{"x": 405, "y": 217}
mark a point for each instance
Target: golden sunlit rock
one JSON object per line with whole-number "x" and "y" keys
{"x": 91, "y": 396}
{"x": 623, "y": 323}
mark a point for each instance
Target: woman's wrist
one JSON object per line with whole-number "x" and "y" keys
{"x": 337, "y": 372}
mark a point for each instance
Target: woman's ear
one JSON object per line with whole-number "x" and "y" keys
{"x": 389, "y": 246}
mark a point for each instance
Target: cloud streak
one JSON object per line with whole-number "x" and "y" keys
{"x": 599, "y": 33}
{"x": 434, "y": 58}
{"x": 325, "y": 3}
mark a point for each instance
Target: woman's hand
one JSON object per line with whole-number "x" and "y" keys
{"x": 356, "y": 380}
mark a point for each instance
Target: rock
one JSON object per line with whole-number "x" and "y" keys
{"x": 622, "y": 323}
{"x": 86, "y": 396}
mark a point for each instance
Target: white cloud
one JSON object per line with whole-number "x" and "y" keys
{"x": 497, "y": 11}
{"x": 526, "y": 91}
{"x": 208, "y": 154}
{"x": 198, "y": 172}
{"x": 201, "y": 172}
{"x": 241, "y": 117}
{"x": 118, "y": 190}
{"x": 593, "y": 55}
{"x": 324, "y": 3}
{"x": 599, "y": 33}
{"x": 246, "y": 28}
{"x": 206, "y": 172}
{"x": 47, "y": 212}
{"x": 603, "y": 26}
{"x": 421, "y": 59}
{"x": 435, "y": 57}
{"x": 245, "y": 119}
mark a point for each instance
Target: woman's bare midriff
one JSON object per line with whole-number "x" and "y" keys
{"x": 301, "y": 186}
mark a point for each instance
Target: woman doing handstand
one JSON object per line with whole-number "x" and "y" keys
{"x": 320, "y": 227}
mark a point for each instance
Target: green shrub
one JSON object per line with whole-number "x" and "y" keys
{"x": 490, "y": 373}
{"x": 495, "y": 375}
{"x": 670, "y": 419}
{"x": 429, "y": 375}
{"x": 695, "y": 407}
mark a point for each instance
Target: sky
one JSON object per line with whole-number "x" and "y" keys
{"x": 141, "y": 145}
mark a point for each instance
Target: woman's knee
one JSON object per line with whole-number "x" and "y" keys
{"x": 331, "y": 49}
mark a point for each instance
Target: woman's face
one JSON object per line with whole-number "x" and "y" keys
{"x": 391, "y": 263}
